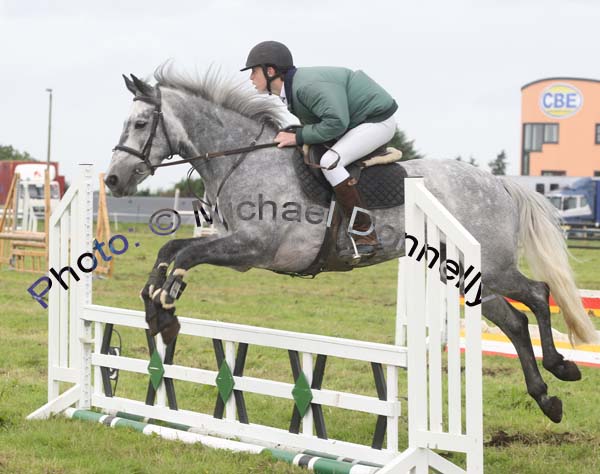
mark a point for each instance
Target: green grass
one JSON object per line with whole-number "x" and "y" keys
{"x": 359, "y": 304}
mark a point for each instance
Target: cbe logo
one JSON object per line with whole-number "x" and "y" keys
{"x": 561, "y": 101}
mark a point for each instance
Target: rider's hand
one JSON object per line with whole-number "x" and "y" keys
{"x": 285, "y": 139}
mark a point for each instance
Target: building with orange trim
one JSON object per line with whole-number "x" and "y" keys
{"x": 560, "y": 125}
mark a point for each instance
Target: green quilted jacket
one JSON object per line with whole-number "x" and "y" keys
{"x": 332, "y": 100}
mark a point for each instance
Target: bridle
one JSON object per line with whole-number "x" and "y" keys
{"x": 157, "y": 117}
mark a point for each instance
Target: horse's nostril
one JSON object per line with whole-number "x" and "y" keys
{"x": 111, "y": 180}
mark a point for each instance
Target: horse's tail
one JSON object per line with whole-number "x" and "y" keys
{"x": 545, "y": 249}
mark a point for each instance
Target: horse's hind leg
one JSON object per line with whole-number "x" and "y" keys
{"x": 514, "y": 325}
{"x": 535, "y": 295}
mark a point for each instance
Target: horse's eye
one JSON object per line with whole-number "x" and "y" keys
{"x": 140, "y": 124}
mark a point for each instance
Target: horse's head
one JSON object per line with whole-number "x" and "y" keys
{"x": 145, "y": 140}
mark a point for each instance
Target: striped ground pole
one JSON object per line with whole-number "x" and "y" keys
{"x": 317, "y": 462}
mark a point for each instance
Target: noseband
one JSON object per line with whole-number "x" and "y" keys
{"x": 157, "y": 117}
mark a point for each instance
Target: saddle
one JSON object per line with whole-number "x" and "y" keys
{"x": 380, "y": 183}
{"x": 380, "y": 179}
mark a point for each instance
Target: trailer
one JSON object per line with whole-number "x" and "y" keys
{"x": 579, "y": 203}
{"x": 31, "y": 174}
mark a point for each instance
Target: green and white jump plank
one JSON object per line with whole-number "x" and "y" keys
{"x": 312, "y": 461}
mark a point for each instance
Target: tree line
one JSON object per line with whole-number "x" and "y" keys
{"x": 8, "y": 153}
{"x": 497, "y": 166}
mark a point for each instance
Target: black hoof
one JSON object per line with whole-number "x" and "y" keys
{"x": 566, "y": 370}
{"x": 552, "y": 408}
{"x": 169, "y": 333}
{"x": 164, "y": 318}
{"x": 152, "y": 326}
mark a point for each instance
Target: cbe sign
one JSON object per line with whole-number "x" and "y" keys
{"x": 560, "y": 101}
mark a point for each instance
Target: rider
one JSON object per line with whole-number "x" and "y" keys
{"x": 332, "y": 103}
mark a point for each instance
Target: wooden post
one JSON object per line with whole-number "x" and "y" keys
{"x": 19, "y": 245}
{"x": 9, "y": 200}
{"x": 8, "y": 216}
{"x": 103, "y": 228}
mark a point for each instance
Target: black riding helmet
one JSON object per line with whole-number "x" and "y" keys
{"x": 270, "y": 53}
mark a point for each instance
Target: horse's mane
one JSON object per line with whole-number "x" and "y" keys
{"x": 213, "y": 87}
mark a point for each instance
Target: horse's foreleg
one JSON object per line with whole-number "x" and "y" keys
{"x": 157, "y": 278}
{"x": 230, "y": 251}
{"x": 514, "y": 325}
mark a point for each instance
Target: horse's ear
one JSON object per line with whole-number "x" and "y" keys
{"x": 130, "y": 85}
{"x": 142, "y": 87}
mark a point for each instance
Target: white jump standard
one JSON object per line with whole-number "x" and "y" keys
{"x": 428, "y": 317}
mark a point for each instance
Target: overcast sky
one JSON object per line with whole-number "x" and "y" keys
{"x": 454, "y": 67}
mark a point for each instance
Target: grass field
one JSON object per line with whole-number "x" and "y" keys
{"x": 360, "y": 304}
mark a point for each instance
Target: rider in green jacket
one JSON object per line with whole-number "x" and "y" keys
{"x": 332, "y": 103}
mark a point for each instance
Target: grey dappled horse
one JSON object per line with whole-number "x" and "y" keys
{"x": 208, "y": 114}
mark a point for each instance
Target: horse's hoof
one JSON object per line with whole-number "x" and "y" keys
{"x": 170, "y": 332}
{"x": 552, "y": 408}
{"x": 153, "y": 326}
{"x": 566, "y": 370}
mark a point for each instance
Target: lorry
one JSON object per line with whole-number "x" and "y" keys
{"x": 31, "y": 186}
{"x": 579, "y": 203}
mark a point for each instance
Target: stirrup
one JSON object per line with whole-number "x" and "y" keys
{"x": 355, "y": 257}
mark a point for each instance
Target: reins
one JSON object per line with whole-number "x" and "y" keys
{"x": 215, "y": 154}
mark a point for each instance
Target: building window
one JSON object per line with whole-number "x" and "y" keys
{"x": 553, "y": 173}
{"x": 551, "y": 133}
{"x": 533, "y": 137}
{"x": 596, "y": 173}
{"x": 525, "y": 164}
{"x": 536, "y": 134}
{"x": 598, "y": 134}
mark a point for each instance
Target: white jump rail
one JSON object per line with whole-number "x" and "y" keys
{"x": 428, "y": 317}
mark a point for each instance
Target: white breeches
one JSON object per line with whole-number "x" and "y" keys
{"x": 355, "y": 144}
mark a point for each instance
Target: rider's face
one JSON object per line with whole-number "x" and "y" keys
{"x": 258, "y": 79}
